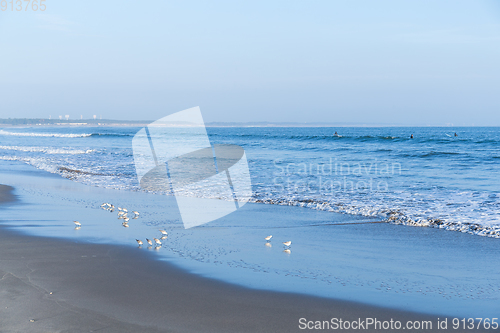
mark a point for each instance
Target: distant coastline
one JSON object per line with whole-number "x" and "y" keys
{"x": 21, "y": 122}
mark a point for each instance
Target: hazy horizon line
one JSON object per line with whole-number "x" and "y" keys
{"x": 116, "y": 122}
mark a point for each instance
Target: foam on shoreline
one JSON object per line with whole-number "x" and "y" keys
{"x": 389, "y": 216}
{"x": 74, "y": 286}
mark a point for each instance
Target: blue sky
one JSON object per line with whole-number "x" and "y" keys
{"x": 371, "y": 62}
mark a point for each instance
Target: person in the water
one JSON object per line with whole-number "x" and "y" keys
{"x": 336, "y": 134}
{"x": 456, "y": 134}
{"x": 411, "y": 137}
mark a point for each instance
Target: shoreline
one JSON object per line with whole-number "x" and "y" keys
{"x": 51, "y": 284}
{"x": 110, "y": 280}
{"x": 394, "y": 217}
{"x": 60, "y": 285}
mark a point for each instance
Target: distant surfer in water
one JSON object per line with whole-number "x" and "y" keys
{"x": 336, "y": 134}
{"x": 411, "y": 137}
{"x": 456, "y": 134}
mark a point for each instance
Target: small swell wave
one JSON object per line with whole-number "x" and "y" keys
{"x": 81, "y": 172}
{"x": 363, "y": 138}
{"x": 66, "y": 135}
{"x": 375, "y": 138}
{"x": 65, "y": 171}
{"x": 388, "y": 215}
{"x": 428, "y": 154}
{"x": 48, "y": 150}
{"x": 329, "y": 137}
{"x": 111, "y": 134}
{"x": 50, "y": 135}
{"x": 397, "y": 217}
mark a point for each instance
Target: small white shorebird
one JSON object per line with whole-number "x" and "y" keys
{"x": 139, "y": 242}
{"x": 126, "y": 219}
{"x": 125, "y": 210}
{"x": 136, "y": 213}
{"x": 125, "y": 224}
{"x": 149, "y": 241}
{"x": 163, "y": 237}
{"x": 157, "y": 241}
{"x": 78, "y": 224}
{"x": 268, "y": 238}
{"x": 287, "y": 243}
{"x": 119, "y": 208}
{"x": 163, "y": 232}
{"x": 120, "y": 213}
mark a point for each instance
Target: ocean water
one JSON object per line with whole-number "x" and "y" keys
{"x": 341, "y": 200}
{"x": 436, "y": 179}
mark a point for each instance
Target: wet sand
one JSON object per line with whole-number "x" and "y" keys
{"x": 52, "y": 285}
{"x": 64, "y": 286}
{"x": 6, "y": 194}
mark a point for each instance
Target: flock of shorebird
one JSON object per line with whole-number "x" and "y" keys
{"x": 164, "y": 236}
{"x": 286, "y": 244}
{"x": 123, "y": 214}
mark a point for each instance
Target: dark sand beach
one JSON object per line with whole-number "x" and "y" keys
{"x": 6, "y": 194}
{"x": 52, "y": 285}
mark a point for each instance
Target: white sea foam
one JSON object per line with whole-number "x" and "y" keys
{"x": 480, "y": 223}
{"x": 54, "y": 135}
{"x": 467, "y": 217}
{"x": 410, "y": 200}
{"x": 48, "y": 150}
{"x": 9, "y": 158}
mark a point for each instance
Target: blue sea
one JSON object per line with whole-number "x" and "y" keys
{"x": 435, "y": 179}
{"x": 374, "y": 216}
